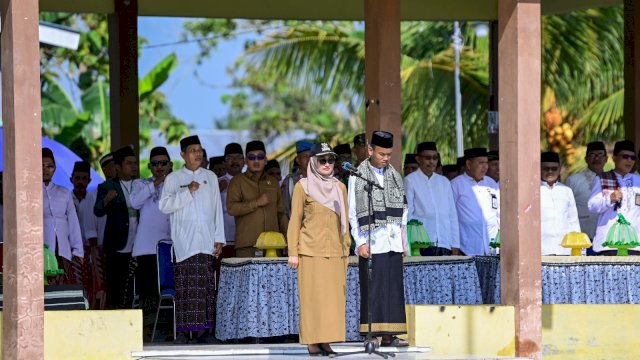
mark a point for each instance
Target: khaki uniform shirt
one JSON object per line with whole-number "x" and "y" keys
{"x": 314, "y": 229}
{"x": 251, "y": 220}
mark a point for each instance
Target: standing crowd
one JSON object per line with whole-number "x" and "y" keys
{"x": 106, "y": 239}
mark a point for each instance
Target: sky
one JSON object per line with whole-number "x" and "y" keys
{"x": 194, "y": 99}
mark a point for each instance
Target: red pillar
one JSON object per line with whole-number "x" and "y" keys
{"x": 631, "y": 70}
{"x": 382, "y": 71}
{"x": 519, "y": 69}
{"x": 23, "y": 315}
{"x": 123, "y": 74}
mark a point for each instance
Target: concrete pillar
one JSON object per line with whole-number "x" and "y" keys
{"x": 382, "y": 71}
{"x": 23, "y": 315}
{"x": 631, "y": 70}
{"x": 494, "y": 131}
{"x": 519, "y": 69}
{"x": 123, "y": 74}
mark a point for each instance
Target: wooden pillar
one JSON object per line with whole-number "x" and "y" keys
{"x": 494, "y": 129}
{"x": 23, "y": 315}
{"x": 632, "y": 70}
{"x": 382, "y": 71}
{"x": 123, "y": 74}
{"x": 519, "y": 71}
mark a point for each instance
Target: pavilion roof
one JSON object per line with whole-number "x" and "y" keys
{"x": 314, "y": 10}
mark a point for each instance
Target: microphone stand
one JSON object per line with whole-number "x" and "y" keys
{"x": 369, "y": 344}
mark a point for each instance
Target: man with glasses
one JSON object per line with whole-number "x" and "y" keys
{"x": 153, "y": 226}
{"x": 558, "y": 213}
{"x": 192, "y": 199}
{"x": 477, "y": 199}
{"x": 255, "y": 200}
{"x": 233, "y": 162}
{"x": 430, "y": 201}
{"x": 581, "y": 184}
{"x": 616, "y": 191}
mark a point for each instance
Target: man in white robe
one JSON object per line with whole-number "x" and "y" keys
{"x": 430, "y": 201}
{"x": 191, "y": 197}
{"x": 558, "y": 212}
{"x": 477, "y": 198}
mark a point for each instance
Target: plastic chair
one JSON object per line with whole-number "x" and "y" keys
{"x": 166, "y": 284}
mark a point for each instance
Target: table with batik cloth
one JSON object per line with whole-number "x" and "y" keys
{"x": 259, "y": 297}
{"x": 573, "y": 279}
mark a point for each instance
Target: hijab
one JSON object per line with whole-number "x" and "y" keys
{"x": 325, "y": 189}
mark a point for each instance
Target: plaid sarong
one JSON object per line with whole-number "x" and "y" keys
{"x": 195, "y": 290}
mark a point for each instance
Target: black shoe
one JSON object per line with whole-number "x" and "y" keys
{"x": 329, "y": 353}
{"x": 181, "y": 339}
{"x": 315, "y": 353}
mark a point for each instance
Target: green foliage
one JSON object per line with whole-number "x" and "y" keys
{"x": 83, "y": 125}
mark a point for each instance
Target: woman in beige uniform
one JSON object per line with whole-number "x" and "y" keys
{"x": 318, "y": 237}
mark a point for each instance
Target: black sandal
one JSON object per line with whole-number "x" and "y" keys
{"x": 315, "y": 353}
{"x": 395, "y": 342}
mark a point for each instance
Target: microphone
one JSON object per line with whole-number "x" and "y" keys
{"x": 347, "y": 166}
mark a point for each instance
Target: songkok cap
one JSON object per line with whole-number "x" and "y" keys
{"x": 159, "y": 150}
{"x": 272, "y": 164}
{"x": 624, "y": 145}
{"x": 303, "y": 145}
{"x": 216, "y": 160}
{"x": 427, "y": 146}
{"x": 106, "y": 160}
{"x": 47, "y": 153}
{"x": 81, "y": 166}
{"x": 123, "y": 152}
{"x": 342, "y": 149}
{"x": 595, "y": 146}
{"x": 255, "y": 145}
{"x": 474, "y": 153}
{"x": 449, "y": 168}
{"x": 382, "y": 139}
{"x": 461, "y": 161}
{"x": 493, "y": 155}
{"x": 410, "y": 159}
{"x": 359, "y": 140}
{"x": 189, "y": 140}
{"x": 232, "y": 148}
{"x": 321, "y": 149}
{"x": 550, "y": 156}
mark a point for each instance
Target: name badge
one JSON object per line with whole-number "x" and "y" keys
{"x": 494, "y": 202}
{"x": 637, "y": 199}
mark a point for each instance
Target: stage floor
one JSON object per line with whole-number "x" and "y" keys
{"x": 280, "y": 351}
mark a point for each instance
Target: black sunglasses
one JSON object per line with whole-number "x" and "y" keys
{"x": 629, "y": 156}
{"x": 324, "y": 161}
{"x": 159, "y": 163}
{"x": 550, "y": 168}
{"x": 256, "y": 157}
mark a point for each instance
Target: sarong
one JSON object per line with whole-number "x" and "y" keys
{"x": 387, "y": 291}
{"x": 195, "y": 290}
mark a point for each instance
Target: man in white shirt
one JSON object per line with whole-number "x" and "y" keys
{"x": 191, "y": 196}
{"x": 558, "y": 213}
{"x": 80, "y": 179}
{"x": 430, "y": 201}
{"x": 234, "y": 162}
{"x": 153, "y": 226}
{"x": 616, "y": 191}
{"x": 477, "y": 200}
{"x": 61, "y": 226}
{"x": 581, "y": 183}
{"x": 385, "y": 222}
{"x": 114, "y": 202}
